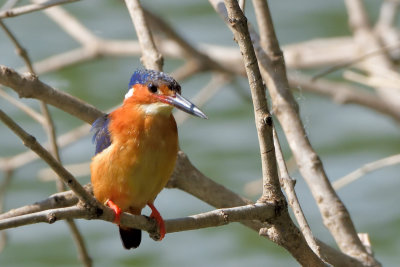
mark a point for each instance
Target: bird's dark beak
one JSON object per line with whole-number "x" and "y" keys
{"x": 185, "y": 105}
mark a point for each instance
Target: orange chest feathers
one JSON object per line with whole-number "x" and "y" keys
{"x": 139, "y": 161}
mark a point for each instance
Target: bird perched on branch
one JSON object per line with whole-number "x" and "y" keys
{"x": 136, "y": 148}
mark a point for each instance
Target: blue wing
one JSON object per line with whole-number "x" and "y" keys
{"x": 101, "y": 136}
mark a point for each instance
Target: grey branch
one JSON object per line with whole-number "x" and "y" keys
{"x": 67, "y": 178}
{"x": 151, "y": 58}
{"x": 29, "y": 86}
{"x": 17, "y": 11}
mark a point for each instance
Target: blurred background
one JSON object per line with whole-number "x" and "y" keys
{"x": 225, "y": 147}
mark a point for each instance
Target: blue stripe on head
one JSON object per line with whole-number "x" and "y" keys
{"x": 144, "y": 76}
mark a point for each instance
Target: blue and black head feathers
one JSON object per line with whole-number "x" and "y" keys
{"x": 144, "y": 76}
{"x": 101, "y": 137}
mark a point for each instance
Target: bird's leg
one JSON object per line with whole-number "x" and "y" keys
{"x": 157, "y": 216}
{"x": 116, "y": 209}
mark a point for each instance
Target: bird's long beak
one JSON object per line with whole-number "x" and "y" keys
{"x": 183, "y": 104}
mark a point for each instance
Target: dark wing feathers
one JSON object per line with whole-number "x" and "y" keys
{"x": 101, "y": 136}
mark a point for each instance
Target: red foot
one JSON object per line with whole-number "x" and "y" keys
{"x": 156, "y": 215}
{"x": 116, "y": 210}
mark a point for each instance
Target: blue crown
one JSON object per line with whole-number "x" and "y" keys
{"x": 144, "y": 76}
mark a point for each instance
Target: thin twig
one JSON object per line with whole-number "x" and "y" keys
{"x": 76, "y": 235}
{"x": 354, "y": 61}
{"x": 49, "y": 127}
{"x": 31, "y": 142}
{"x": 58, "y": 200}
{"x": 26, "y": 109}
{"x": 83, "y": 253}
{"x": 77, "y": 170}
{"x": 29, "y": 156}
{"x": 205, "y": 94}
{"x": 343, "y": 93}
{"x": 288, "y": 185}
{"x": 9, "y": 4}
{"x": 151, "y": 58}
{"x": 3, "y": 188}
{"x": 189, "y": 51}
{"x": 17, "y": 11}
{"x": 365, "y": 169}
{"x": 72, "y": 26}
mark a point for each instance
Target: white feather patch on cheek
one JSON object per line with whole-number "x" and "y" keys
{"x": 156, "y": 108}
{"x": 129, "y": 94}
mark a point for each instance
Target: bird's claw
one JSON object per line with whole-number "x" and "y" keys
{"x": 116, "y": 209}
{"x": 157, "y": 216}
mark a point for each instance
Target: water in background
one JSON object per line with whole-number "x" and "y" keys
{"x": 224, "y": 147}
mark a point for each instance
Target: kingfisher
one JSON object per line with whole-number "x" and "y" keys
{"x": 136, "y": 148}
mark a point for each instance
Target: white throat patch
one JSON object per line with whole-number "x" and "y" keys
{"x": 129, "y": 94}
{"x": 157, "y": 108}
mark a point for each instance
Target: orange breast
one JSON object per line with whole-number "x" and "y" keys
{"x": 140, "y": 160}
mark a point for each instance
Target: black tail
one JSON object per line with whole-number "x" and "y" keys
{"x": 130, "y": 237}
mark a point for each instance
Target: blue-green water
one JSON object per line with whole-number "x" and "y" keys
{"x": 224, "y": 147}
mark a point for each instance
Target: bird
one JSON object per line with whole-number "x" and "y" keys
{"x": 136, "y": 148}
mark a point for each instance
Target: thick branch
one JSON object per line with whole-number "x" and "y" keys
{"x": 258, "y": 212}
{"x": 263, "y": 120}
{"x": 29, "y": 86}
{"x": 335, "y": 215}
{"x": 281, "y": 229}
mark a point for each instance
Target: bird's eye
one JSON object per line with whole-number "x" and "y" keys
{"x": 152, "y": 87}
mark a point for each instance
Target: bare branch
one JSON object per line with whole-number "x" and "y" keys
{"x": 281, "y": 229}
{"x": 205, "y": 94}
{"x": 189, "y": 51}
{"x": 67, "y": 178}
{"x": 47, "y": 216}
{"x": 32, "y": 8}
{"x": 29, "y": 86}
{"x": 9, "y": 4}
{"x": 83, "y": 254}
{"x": 238, "y": 23}
{"x": 343, "y": 93}
{"x": 259, "y": 211}
{"x": 288, "y": 185}
{"x": 26, "y": 109}
{"x": 335, "y": 215}
{"x": 29, "y": 156}
{"x": 3, "y": 188}
{"x": 71, "y": 25}
{"x": 365, "y": 169}
{"x": 58, "y": 200}
{"x": 151, "y": 58}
